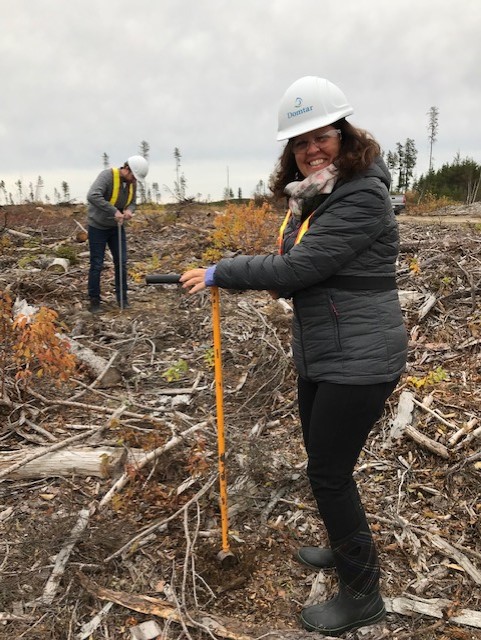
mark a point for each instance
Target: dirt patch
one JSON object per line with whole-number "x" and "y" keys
{"x": 411, "y": 493}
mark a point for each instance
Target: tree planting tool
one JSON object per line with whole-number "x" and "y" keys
{"x": 225, "y": 556}
{"x": 120, "y": 266}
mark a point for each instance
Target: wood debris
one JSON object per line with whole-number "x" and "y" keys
{"x": 117, "y": 478}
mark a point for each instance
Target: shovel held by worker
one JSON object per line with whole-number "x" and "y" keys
{"x": 225, "y": 556}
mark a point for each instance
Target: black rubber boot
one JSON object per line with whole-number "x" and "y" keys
{"x": 316, "y": 557}
{"x": 94, "y": 306}
{"x": 358, "y": 602}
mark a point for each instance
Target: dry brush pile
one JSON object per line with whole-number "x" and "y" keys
{"x": 109, "y": 501}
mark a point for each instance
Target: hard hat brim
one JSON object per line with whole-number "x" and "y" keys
{"x": 312, "y": 124}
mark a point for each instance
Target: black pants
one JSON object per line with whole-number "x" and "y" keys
{"x": 336, "y": 421}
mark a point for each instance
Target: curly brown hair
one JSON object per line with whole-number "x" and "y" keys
{"x": 358, "y": 152}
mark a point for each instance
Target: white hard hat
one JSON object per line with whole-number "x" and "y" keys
{"x": 139, "y": 167}
{"x": 310, "y": 103}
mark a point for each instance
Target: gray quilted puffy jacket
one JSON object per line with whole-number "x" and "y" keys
{"x": 340, "y": 335}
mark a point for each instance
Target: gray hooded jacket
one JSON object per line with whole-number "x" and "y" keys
{"x": 347, "y": 328}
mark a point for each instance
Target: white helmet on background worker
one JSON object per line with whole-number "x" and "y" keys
{"x": 308, "y": 104}
{"x": 139, "y": 167}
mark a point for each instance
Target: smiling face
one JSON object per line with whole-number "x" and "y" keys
{"x": 316, "y": 150}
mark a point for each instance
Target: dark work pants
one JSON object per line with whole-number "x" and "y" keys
{"x": 336, "y": 421}
{"x": 99, "y": 239}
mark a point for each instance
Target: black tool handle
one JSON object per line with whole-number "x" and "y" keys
{"x": 162, "y": 278}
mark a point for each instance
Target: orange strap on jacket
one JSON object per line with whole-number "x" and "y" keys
{"x": 116, "y": 188}
{"x": 302, "y": 229}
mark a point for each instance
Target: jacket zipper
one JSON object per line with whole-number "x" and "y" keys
{"x": 335, "y": 317}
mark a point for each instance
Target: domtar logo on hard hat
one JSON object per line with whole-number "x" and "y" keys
{"x": 322, "y": 103}
{"x": 299, "y": 109}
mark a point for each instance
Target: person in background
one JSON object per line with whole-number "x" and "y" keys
{"x": 111, "y": 202}
{"x": 338, "y": 246}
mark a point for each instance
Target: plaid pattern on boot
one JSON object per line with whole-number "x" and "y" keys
{"x": 357, "y": 564}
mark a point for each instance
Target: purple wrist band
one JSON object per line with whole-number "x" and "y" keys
{"x": 210, "y": 276}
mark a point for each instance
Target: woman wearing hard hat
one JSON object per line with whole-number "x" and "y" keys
{"x": 338, "y": 246}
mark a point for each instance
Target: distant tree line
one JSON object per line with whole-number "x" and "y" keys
{"x": 458, "y": 181}
{"x": 33, "y": 193}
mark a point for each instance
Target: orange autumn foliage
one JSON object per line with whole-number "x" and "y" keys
{"x": 32, "y": 345}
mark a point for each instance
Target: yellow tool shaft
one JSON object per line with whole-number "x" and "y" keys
{"x": 219, "y": 397}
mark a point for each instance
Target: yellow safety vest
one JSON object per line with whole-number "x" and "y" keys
{"x": 302, "y": 229}
{"x": 116, "y": 188}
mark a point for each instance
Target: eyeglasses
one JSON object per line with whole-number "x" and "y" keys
{"x": 301, "y": 146}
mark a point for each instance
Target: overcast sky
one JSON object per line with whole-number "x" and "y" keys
{"x": 80, "y": 79}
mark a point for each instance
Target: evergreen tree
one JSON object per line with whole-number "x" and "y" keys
{"x": 401, "y": 164}
{"x": 392, "y": 162}
{"x": 65, "y": 191}
{"x": 19, "y": 186}
{"x": 410, "y": 157}
{"x": 145, "y": 149}
{"x": 105, "y": 161}
{"x": 38, "y": 189}
{"x": 180, "y": 184}
{"x": 156, "y": 192}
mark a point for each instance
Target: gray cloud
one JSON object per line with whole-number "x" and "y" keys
{"x": 207, "y": 77}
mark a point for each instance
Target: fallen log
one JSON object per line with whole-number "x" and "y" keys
{"x": 402, "y": 424}
{"x": 105, "y": 373}
{"x": 53, "y": 583}
{"x": 403, "y": 418}
{"x": 88, "y": 628}
{"x": 101, "y": 462}
{"x": 12, "y": 617}
{"x": 434, "y": 607}
{"x": 427, "y": 306}
{"x": 17, "y": 234}
{"x": 58, "y": 265}
{"x": 408, "y": 298}
{"x": 40, "y": 452}
{"x": 457, "y": 556}
{"x": 436, "y": 447}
